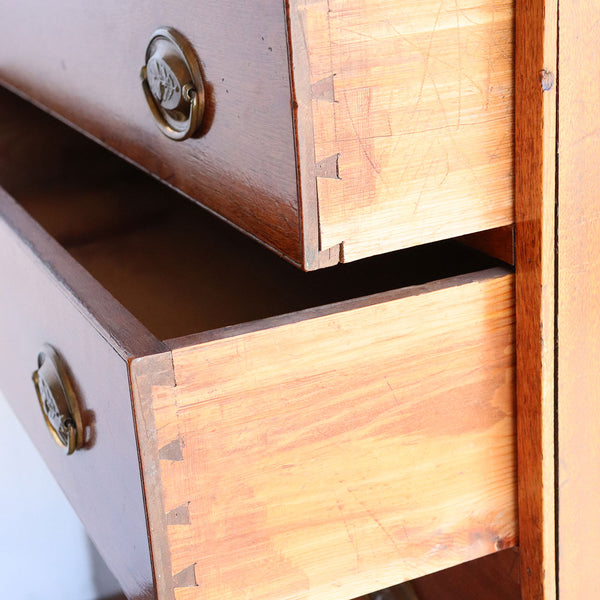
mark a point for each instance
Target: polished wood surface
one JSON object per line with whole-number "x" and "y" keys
{"x": 536, "y": 56}
{"x": 412, "y": 105}
{"x": 578, "y": 307}
{"x": 243, "y": 166}
{"x": 342, "y": 449}
{"x": 47, "y": 298}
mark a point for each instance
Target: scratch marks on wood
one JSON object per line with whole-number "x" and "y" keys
{"x": 460, "y": 66}
{"x": 420, "y": 111}
{"x": 490, "y": 62}
{"x": 351, "y": 535}
{"x": 377, "y": 521}
{"x": 427, "y": 58}
{"x": 357, "y": 475}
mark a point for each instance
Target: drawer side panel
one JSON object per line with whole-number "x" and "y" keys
{"x": 412, "y": 111}
{"x": 338, "y": 455}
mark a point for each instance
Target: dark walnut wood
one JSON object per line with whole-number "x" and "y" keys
{"x": 243, "y": 166}
{"x": 46, "y": 298}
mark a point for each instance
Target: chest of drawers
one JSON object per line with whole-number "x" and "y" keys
{"x": 362, "y": 391}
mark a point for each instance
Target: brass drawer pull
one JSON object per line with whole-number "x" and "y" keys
{"x": 57, "y": 400}
{"x": 172, "y": 83}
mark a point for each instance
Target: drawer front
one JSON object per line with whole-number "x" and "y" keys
{"x": 333, "y": 131}
{"x": 340, "y": 450}
{"x": 37, "y": 307}
{"x": 243, "y": 167}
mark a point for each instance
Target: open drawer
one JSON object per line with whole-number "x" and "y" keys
{"x": 249, "y": 430}
{"x": 333, "y": 130}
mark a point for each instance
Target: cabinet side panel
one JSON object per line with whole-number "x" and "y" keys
{"x": 335, "y": 456}
{"x": 578, "y": 308}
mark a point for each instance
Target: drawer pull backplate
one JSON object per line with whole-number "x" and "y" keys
{"x": 57, "y": 400}
{"x": 172, "y": 84}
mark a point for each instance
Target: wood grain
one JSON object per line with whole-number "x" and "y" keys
{"x": 536, "y": 56}
{"x": 578, "y": 308}
{"x": 343, "y": 453}
{"x": 492, "y": 577}
{"x": 412, "y": 108}
{"x": 148, "y": 374}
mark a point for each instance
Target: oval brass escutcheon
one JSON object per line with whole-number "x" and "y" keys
{"x": 172, "y": 83}
{"x": 57, "y": 400}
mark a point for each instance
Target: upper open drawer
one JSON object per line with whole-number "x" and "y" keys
{"x": 333, "y": 130}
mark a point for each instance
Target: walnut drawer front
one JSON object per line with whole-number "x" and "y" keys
{"x": 334, "y": 129}
{"x": 271, "y": 438}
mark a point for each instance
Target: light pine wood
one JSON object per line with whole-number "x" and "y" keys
{"x": 492, "y": 577}
{"x": 536, "y": 56}
{"x": 578, "y": 308}
{"x": 345, "y": 449}
{"x": 412, "y": 108}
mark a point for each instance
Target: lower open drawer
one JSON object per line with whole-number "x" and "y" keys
{"x": 249, "y": 430}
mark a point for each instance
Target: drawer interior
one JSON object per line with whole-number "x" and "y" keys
{"x": 179, "y": 269}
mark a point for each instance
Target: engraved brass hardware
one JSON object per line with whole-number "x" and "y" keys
{"x": 172, "y": 83}
{"x": 57, "y": 400}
